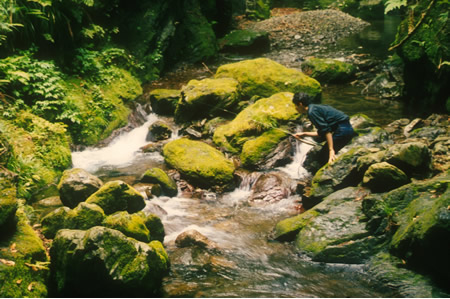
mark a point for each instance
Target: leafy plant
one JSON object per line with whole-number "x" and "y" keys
{"x": 391, "y": 5}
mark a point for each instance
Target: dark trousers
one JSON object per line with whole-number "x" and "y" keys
{"x": 342, "y": 134}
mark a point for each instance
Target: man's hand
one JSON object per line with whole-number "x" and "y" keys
{"x": 332, "y": 156}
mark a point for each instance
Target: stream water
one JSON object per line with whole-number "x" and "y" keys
{"x": 248, "y": 264}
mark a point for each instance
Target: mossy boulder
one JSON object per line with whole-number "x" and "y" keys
{"x": 263, "y": 77}
{"x": 383, "y": 177}
{"x": 245, "y": 42}
{"x": 103, "y": 262}
{"x": 164, "y": 101}
{"x": 76, "y": 185}
{"x": 199, "y": 163}
{"x": 24, "y": 262}
{"x": 116, "y": 196}
{"x": 287, "y": 229}
{"x": 257, "y": 9}
{"x": 345, "y": 241}
{"x": 413, "y": 158}
{"x": 255, "y": 152}
{"x": 39, "y": 151}
{"x": 264, "y": 115}
{"x": 327, "y": 70}
{"x": 131, "y": 225}
{"x": 159, "y": 176}
{"x": 84, "y": 216}
{"x": 207, "y": 98}
{"x": 423, "y": 236}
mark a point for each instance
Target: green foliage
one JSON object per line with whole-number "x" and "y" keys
{"x": 391, "y": 5}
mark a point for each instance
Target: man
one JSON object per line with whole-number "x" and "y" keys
{"x": 330, "y": 123}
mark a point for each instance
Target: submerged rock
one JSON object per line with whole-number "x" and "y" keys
{"x": 102, "y": 262}
{"x": 270, "y": 188}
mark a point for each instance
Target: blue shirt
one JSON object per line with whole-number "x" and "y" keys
{"x": 325, "y": 118}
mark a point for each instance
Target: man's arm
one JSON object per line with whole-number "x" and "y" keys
{"x": 302, "y": 134}
{"x": 332, "y": 154}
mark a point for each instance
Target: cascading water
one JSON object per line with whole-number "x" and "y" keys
{"x": 247, "y": 263}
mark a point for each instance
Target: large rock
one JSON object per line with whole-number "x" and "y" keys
{"x": 158, "y": 176}
{"x": 326, "y": 70}
{"x": 264, "y": 77}
{"x": 102, "y": 262}
{"x": 264, "y": 115}
{"x": 345, "y": 241}
{"x": 164, "y": 101}
{"x": 116, "y": 196}
{"x": 76, "y": 185}
{"x": 270, "y": 188}
{"x": 207, "y": 98}
{"x": 413, "y": 158}
{"x": 84, "y": 216}
{"x": 158, "y": 131}
{"x": 383, "y": 177}
{"x": 415, "y": 220}
{"x": 199, "y": 163}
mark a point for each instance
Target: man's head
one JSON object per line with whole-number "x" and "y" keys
{"x": 302, "y": 100}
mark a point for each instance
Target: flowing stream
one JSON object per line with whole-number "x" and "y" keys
{"x": 248, "y": 264}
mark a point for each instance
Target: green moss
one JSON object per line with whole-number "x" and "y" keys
{"x": 39, "y": 151}
{"x": 164, "y": 101}
{"x": 27, "y": 276}
{"x": 130, "y": 225}
{"x": 264, "y": 77}
{"x": 99, "y": 109}
{"x": 257, "y": 118}
{"x": 198, "y": 162}
{"x": 155, "y": 226}
{"x": 328, "y": 70}
{"x": 158, "y": 176}
{"x": 287, "y": 229}
{"x": 255, "y": 151}
{"x": 117, "y": 196}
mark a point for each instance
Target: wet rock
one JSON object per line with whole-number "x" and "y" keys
{"x": 207, "y": 98}
{"x": 383, "y": 177}
{"x": 158, "y": 131}
{"x": 192, "y": 238}
{"x": 164, "y": 101}
{"x": 46, "y": 205}
{"x": 76, "y": 185}
{"x": 264, "y": 77}
{"x": 154, "y": 225}
{"x": 347, "y": 240}
{"x": 327, "y": 70}
{"x": 245, "y": 42}
{"x": 103, "y": 262}
{"x": 200, "y": 163}
{"x": 117, "y": 196}
{"x": 159, "y": 176}
{"x": 152, "y": 147}
{"x": 361, "y": 121}
{"x": 270, "y": 188}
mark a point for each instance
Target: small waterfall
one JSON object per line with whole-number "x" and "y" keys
{"x": 121, "y": 152}
{"x": 295, "y": 169}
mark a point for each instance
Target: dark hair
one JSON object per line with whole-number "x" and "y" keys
{"x": 305, "y": 99}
